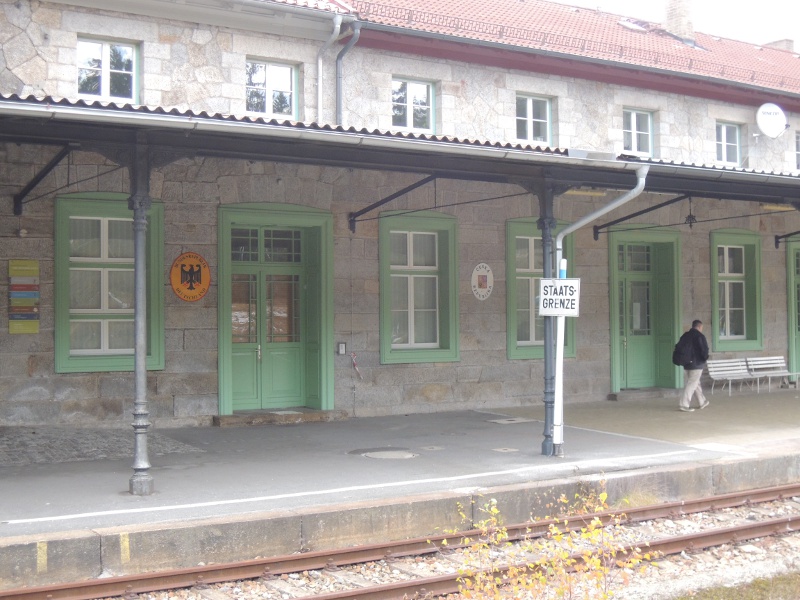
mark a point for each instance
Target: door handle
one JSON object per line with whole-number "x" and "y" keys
{"x": 259, "y": 352}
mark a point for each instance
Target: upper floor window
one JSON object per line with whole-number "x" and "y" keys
{"x": 533, "y": 119}
{"x": 797, "y": 149}
{"x": 728, "y": 144}
{"x": 412, "y": 105}
{"x": 270, "y": 89}
{"x": 107, "y": 70}
{"x": 637, "y": 131}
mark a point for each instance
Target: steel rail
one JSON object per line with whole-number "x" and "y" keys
{"x": 148, "y": 582}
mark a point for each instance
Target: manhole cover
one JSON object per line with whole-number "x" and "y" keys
{"x": 385, "y": 453}
{"x": 391, "y": 454}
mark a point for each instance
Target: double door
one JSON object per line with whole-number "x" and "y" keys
{"x": 268, "y": 321}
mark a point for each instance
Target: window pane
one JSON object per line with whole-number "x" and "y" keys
{"x": 84, "y": 289}
{"x": 121, "y": 58}
{"x": 523, "y": 260}
{"x": 120, "y": 289}
{"x": 256, "y": 74}
{"x": 89, "y": 82}
{"x": 737, "y": 323}
{"x": 523, "y": 309}
{"x": 420, "y": 98}
{"x": 522, "y": 107}
{"x": 399, "y": 248}
{"x": 120, "y": 239}
{"x": 281, "y": 103}
{"x": 85, "y": 335}
{"x": 539, "y": 109}
{"x": 626, "y": 120}
{"x": 721, "y": 259}
{"x": 424, "y": 249}
{"x": 281, "y": 77}
{"x": 425, "y": 327}
{"x": 539, "y": 132}
{"x": 399, "y": 104}
{"x": 121, "y": 335}
{"x": 121, "y": 85}
{"x": 244, "y": 316}
{"x": 736, "y": 299}
{"x": 642, "y": 142}
{"x": 400, "y": 293}
{"x": 244, "y": 245}
{"x": 256, "y": 100}
{"x": 84, "y": 238}
{"x": 736, "y": 261}
{"x": 425, "y": 293}
{"x": 627, "y": 140}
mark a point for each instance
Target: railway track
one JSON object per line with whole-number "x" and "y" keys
{"x": 411, "y": 582}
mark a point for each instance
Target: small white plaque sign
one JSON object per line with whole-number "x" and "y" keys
{"x": 482, "y": 281}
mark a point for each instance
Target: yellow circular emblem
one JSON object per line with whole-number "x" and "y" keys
{"x": 190, "y": 276}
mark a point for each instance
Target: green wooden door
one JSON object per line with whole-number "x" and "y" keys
{"x": 793, "y": 278}
{"x": 267, "y": 318}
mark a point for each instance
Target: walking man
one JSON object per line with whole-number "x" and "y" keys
{"x": 696, "y": 348}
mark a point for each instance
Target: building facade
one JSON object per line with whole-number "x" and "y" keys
{"x": 265, "y": 293}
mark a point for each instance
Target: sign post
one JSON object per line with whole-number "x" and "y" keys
{"x": 559, "y": 298}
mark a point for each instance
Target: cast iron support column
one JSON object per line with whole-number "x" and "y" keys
{"x": 141, "y": 483}
{"x": 547, "y": 224}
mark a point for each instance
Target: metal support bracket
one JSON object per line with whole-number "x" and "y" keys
{"x": 19, "y": 198}
{"x": 596, "y": 229}
{"x": 778, "y": 238}
{"x": 354, "y": 215}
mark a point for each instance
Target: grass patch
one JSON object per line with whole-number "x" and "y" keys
{"x": 784, "y": 587}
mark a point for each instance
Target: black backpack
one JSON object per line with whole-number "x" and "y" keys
{"x": 682, "y": 354}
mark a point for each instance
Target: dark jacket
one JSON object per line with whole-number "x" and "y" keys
{"x": 699, "y": 345}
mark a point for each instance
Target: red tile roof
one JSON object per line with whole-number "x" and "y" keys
{"x": 573, "y": 31}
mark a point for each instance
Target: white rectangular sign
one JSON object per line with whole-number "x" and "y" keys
{"x": 559, "y": 297}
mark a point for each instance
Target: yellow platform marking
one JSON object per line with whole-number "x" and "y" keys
{"x": 41, "y": 557}
{"x": 124, "y": 548}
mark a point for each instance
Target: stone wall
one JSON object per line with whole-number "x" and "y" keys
{"x": 186, "y": 391}
{"x": 202, "y": 68}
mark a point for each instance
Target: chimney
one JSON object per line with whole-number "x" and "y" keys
{"x": 679, "y": 23}
{"x": 781, "y": 45}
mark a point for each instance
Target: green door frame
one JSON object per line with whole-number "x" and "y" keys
{"x": 264, "y": 214}
{"x": 670, "y": 333}
{"x": 792, "y": 299}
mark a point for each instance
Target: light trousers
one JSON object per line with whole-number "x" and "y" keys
{"x": 692, "y": 388}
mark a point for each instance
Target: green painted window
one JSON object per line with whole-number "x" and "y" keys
{"x": 419, "y": 288}
{"x": 270, "y": 89}
{"x": 524, "y": 269}
{"x": 94, "y": 293}
{"x": 736, "y": 290}
{"x": 107, "y": 70}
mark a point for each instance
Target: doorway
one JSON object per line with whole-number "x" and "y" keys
{"x": 275, "y": 317}
{"x": 645, "y": 320}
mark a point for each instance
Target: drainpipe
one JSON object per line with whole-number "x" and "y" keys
{"x": 558, "y": 409}
{"x": 339, "y": 75}
{"x": 337, "y": 25}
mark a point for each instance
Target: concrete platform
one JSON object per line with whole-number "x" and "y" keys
{"x": 235, "y": 493}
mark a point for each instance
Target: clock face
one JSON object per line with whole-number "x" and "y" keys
{"x": 482, "y": 281}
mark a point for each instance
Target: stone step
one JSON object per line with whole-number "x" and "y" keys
{"x": 284, "y": 416}
{"x": 643, "y": 394}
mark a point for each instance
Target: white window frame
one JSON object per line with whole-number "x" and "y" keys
{"x": 408, "y": 125}
{"x": 105, "y": 71}
{"x": 412, "y": 274}
{"x": 797, "y": 150}
{"x": 269, "y": 89}
{"x": 726, "y": 280}
{"x": 630, "y": 134}
{"x": 530, "y": 121}
{"x": 723, "y": 133}
{"x": 530, "y": 275}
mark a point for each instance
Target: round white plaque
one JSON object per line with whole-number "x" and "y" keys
{"x": 482, "y": 281}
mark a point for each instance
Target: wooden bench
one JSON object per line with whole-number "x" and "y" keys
{"x": 769, "y": 367}
{"x": 729, "y": 370}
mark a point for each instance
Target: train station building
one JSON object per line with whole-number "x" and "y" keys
{"x": 346, "y": 209}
